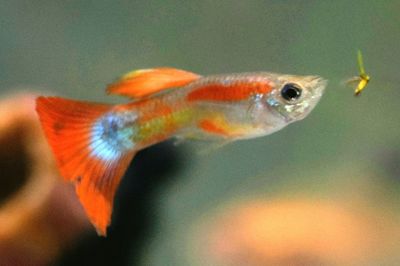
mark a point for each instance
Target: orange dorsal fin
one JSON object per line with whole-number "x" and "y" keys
{"x": 86, "y": 152}
{"x": 144, "y": 82}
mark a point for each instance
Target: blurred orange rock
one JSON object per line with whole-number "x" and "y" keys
{"x": 288, "y": 232}
{"x": 39, "y": 214}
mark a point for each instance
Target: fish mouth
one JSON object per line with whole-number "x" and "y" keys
{"x": 318, "y": 86}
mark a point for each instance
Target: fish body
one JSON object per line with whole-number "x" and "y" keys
{"x": 94, "y": 143}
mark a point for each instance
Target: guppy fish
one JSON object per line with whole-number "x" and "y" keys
{"x": 94, "y": 143}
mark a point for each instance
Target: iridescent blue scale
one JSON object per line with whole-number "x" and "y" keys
{"x": 112, "y": 135}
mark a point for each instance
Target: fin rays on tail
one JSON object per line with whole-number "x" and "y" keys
{"x": 68, "y": 126}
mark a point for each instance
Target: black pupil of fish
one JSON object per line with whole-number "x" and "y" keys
{"x": 291, "y": 92}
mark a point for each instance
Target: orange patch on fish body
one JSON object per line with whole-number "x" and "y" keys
{"x": 232, "y": 92}
{"x": 211, "y": 126}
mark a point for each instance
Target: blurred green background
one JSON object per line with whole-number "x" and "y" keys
{"x": 346, "y": 150}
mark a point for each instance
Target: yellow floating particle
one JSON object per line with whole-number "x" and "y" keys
{"x": 362, "y": 79}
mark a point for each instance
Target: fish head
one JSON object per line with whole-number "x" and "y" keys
{"x": 293, "y": 97}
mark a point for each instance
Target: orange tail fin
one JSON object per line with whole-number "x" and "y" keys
{"x": 144, "y": 82}
{"x": 92, "y": 147}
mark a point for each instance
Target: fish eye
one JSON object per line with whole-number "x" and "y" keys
{"x": 291, "y": 92}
